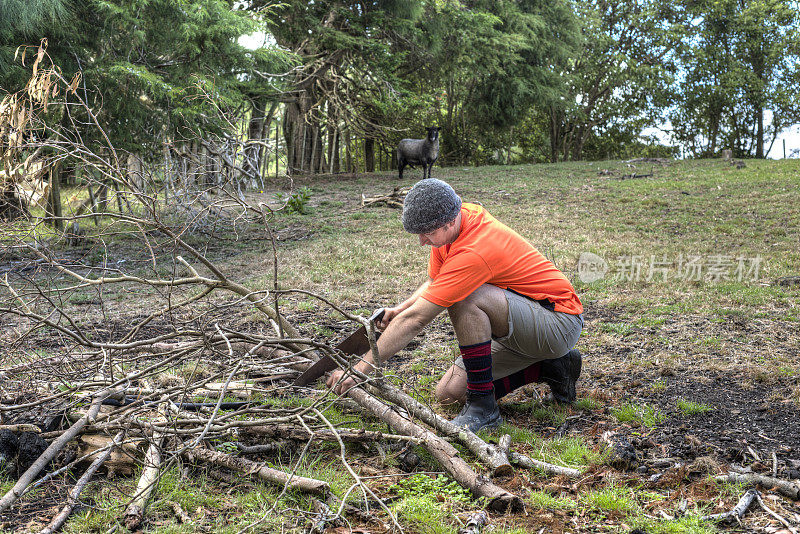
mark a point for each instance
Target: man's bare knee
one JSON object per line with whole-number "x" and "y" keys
{"x": 452, "y": 388}
{"x": 446, "y": 395}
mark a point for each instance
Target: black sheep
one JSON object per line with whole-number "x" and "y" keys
{"x": 419, "y": 152}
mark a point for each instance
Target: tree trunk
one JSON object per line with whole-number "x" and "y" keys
{"x": 331, "y": 135}
{"x": 348, "y": 155}
{"x": 255, "y": 134}
{"x": 335, "y": 163}
{"x": 369, "y": 155}
{"x": 760, "y": 132}
{"x": 54, "y": 212}
{"x": 555, "y": 119}
{"x": 302, "y": 136}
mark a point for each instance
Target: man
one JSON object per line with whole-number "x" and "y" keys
{"x": 516, "y": 316}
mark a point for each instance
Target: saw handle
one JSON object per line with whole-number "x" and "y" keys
{"x": 377, "y": 315}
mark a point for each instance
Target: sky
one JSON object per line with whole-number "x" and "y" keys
{"x": 792, "y": 137}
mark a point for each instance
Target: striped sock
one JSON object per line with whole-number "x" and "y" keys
{"x": 504, "y": 386}
{"x": 478, "y": 363}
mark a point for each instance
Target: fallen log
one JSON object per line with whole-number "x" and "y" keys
{"x": 551, "y": 469}
{"x": 122, "y": 460}
{"x": 738, "y": 510}
{"x": 489, "y": 454}
{"x": 27, "y": 477}
{"x": 448, "y": 456}
{"x": 265, "y": 448}
{"x": 59, "y": 520}
{"x": 134, "y": 513}
{"x": 300, "y": 434}
{"x": 22, "y": 427}
{"x": 248, "y": 467}
{"x": 784, "y": 487}
{"x": 393, "y": 199}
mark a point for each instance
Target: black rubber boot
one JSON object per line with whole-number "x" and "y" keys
{"x": 480, "y": 411}
{"x": 562, "y": 374}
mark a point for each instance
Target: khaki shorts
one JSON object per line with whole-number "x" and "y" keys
{"x": 534, "y": 334}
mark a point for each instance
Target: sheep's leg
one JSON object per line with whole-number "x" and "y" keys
{"x": 400, "y": 165}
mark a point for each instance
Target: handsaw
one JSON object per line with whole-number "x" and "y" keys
{"x": 355, "y": 344}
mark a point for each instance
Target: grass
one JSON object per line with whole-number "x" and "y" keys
{"x": 611, "y": 499}
{"x": 542, "y": 500}
{"x": 687, "y": 407}
{"x": 642, "y": 414}
{"x": 427, "y": 503}
{"x": 569, "y": 451}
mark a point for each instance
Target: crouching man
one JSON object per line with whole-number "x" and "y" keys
{"x": 515, "y": 315}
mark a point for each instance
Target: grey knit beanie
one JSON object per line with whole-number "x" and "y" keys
{"x": 429, "y": 205}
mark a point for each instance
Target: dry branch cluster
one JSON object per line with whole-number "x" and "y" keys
{"x": 174, "y": 387}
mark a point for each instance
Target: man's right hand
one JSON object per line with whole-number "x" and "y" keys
{"x": 388, "y": 315}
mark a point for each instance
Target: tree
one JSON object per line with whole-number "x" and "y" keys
{"x": 27, "y": 21}
{"x": 617, "y": 82}
{"x": 484, "y": 64}
{"x": 742, "y": 59}
{"x": 346, "y": 78}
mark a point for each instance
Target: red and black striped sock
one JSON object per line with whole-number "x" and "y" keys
{"x": 478, "y": 363}
{"x": 504, "y": 386}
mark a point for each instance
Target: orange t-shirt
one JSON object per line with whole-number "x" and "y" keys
{"x": 487, "y": 251}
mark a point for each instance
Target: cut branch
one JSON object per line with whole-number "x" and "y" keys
{"x": 738, "y": 510}
{"x": 489, "y": 454}
{"x": 551, "y": 469}
{"x": 784, "y": 487}
{"x": 447, "y": 455}
{"x": 268, "y": 474}
{"x": 134, "y": 514}
{"x": 59, "y": 520}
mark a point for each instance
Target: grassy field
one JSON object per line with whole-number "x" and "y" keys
{"x": 690, "y": 347}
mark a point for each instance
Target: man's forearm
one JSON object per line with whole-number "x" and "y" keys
{"x": 413, "y": 298}
{"x": 399, "y": 333}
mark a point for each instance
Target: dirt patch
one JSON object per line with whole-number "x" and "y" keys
{"x": 741, "y": 421}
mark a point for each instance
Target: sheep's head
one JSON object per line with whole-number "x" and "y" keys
{"x": 433, "y": 133}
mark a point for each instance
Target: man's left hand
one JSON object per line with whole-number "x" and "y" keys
{"x": 349, "y": 382}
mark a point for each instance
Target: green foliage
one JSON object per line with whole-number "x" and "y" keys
{"x": 643, "y": 414}
{"x": 439, "y": 488}
{"x": 687, "y": 524}
{"x": 484, "y": 67}
{"x": 295, "y": 202}
{"x": 611, "y": 498}
{"x": 614, "y": 88}
{"x": 26, "y": 22}
{"x": 541, "y": 500}
{"x": 587, "y": 403}
{"x": 425, "y": 502}
{"x": 163, "y": 69}
{"x": 424, "y": 513}
{"x": 688, "y": 407}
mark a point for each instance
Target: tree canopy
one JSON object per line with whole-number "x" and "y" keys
{"x": 505, "y": 80}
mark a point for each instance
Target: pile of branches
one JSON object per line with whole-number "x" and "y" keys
{"x": 109, "y": 397}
